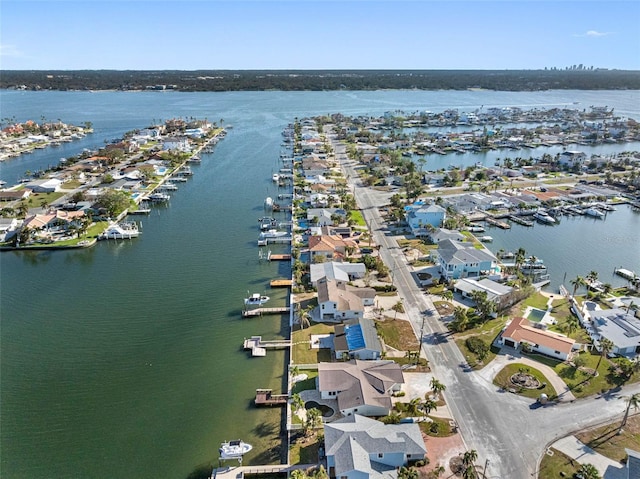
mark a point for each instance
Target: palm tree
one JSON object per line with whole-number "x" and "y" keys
{"x": 437, "y": 387}
{"x": 413, "y": 406}
{"x": 606, "y": 346}
{"x": 460, "y": 319}
{"x": 297, "y": 402}
{"x": 592, "y": 277}
{"x": 589, "y": 471}
{"x": 314, "y": 420}
{"x": 572, "y": 324}
{"x": 429, "y": 405}
{"x": 469, "y": 472}
{"x": 446, "y": 294}
{"x": 577, "y": 282}
{"x": 633, "y": 400}
{"x": 520, "y": 257}
{"x": 470, "y": 457}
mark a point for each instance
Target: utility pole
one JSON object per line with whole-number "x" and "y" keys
{"x": 484, "y": 472}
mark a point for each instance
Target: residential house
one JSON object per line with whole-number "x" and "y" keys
{"x": 330, "y": 247}
{"x": 337, "y": 271}
{"x": 632, "y": 468}
{"x": 422, "y": 217}
{"x": 175, "y": 143}
{"x": 362, "y": 387}
{"x": 622, "y": 328}
{"x": 337, "y": 301}
{"x": 14, "y": 195}
{"x": 462, "y": 260}
{"x": 570, "y": 158}
{"x": 520, "y": 331}
{"x": 8, "y": 227}
{"x": 357, "y": 339}
{"x": 324, "y": 216}
{"x": 500, "y": 294}
{"x": 361, "y": 448}
{"x": 442, "y": 234}
{"x": 48, "y": 185}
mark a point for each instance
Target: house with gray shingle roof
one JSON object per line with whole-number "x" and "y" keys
{"x": 362, "y": 448}
{"x": 337, "y": 301}
{"x": 338, "y": 271}
{"x": 363, "y": 387}
{"x": 464, "y": 260}
{"x": 622, "y": 328}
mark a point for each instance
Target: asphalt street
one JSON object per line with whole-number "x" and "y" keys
{"x": 509, "y": 431}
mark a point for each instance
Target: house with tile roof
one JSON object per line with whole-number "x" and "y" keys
{"x": 362, "y": 387}
{"x": 357, "y": 339}
{"x": 362, "y": 448}
{"x": 521, "y": 331}
{"x": 463, "y": 260}
{"x": 338, "y": 301}
{"x": 330, "y": 247}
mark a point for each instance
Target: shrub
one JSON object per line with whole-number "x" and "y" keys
{"x": 477, "y": 346}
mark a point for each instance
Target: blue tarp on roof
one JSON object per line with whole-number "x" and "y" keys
{"x": 355, "y": 338}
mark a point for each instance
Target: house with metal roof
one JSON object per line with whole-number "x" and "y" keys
{"x": 362, "y": 448}
{"x": 363, "y": 387}
{"x": 500, "y": 294}
{"x": 632, "y": 468}
{"x": 357, "y": 339}
{"x": 622, "y": 328}
{"x": 338, "y": 271}
{"x": 463, "y": 260}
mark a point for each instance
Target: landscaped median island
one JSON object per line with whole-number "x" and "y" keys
{"x": 525, "y": 380}
{"x": 85, "y": 197}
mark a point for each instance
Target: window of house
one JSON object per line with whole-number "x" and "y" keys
{"x": 557, "y": 352}
{"x": 380, "y": 455}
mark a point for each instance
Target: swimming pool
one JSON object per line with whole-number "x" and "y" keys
{"x": 535, "y": 315}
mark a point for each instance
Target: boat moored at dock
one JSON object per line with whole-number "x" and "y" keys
{"x": 256, "y": 299}
{"x": 123, "y": 230}
{"x": 234, "y": 449}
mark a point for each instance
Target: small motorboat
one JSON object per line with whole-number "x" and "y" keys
{"x": 234, "y": 449}
{"x": 256, "y": 299}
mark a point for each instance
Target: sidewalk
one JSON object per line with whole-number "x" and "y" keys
{"x": 572, "y": 447}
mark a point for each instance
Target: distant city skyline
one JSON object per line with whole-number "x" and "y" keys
{"x": 305, "y": 34}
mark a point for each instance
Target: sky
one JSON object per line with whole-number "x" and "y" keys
{"x": 328, "y": 34}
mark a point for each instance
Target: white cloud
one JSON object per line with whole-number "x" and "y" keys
{"x": 9, "y": 51}
{"x": 592, "y": 34}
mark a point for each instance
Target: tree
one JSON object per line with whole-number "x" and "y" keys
{"x": 469, "y": 472}
{"x": 22, "y": 209}
{"x": 313, "y": 421}
{"x": 606, "y": 346}
{"x": 571, "y": 325}
{"x": 577, "y": 282}
{"x": 297, "y": 402}
{"x": 437, "y": 387}
{"x": 429, "y": 405}
{"x": 407, "y": 473}
{"x": 115, "y": 202}
{"x": 589, "y": 471}
{"x": 633, "y": 400}
{"x": 414, "y": 406}
{"x": 460, "y": 319}
{"x": 446, "y": 294}
{"x": 592, "y": 277}
{"x": 469, "y": 457}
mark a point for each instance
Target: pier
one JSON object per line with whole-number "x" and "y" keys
{"x": 247, "y": 313}
{"x": 281, "y": 283}
{"x": 265, "y": 397}
{"x": 259, "y": 347}
{"x": 278, "y": 257}
{"x": 521, "y": 221}
{"x": 500, "y": 224}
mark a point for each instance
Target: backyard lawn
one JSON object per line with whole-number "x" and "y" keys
{"x": 302, "y": 353}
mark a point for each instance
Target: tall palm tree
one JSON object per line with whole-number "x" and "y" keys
{"x": 592, "y": 277}
{"x": 520, "y": 257}
{"x": 414, "y": 406}
{"x": 577, "y": 282}
{"x": 606, "y": 346}
{"x": 469, "y": 457}
{"x": 633, "y": 400}
{"x": 572, "y": 324}
{"x": 437, "y": 387}
{"x": 297, "y": 402}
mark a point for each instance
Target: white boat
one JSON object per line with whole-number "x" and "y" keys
{"x": 486, "y": 239}
{"x": 273, "y": 234}
{"x": 267, "y": 222}
{"x": 124, "y": 230}
{"x": 157, "y": 197}
{"x": 275, "y": 177}
{"x": 268, "y": 202}
{"x": 543, "y": 217}
{"x": 234, "y": 449}
{"x": 256, "y": 299}
{"x": 595, "y": 212}
{"x": 168, "y": 187}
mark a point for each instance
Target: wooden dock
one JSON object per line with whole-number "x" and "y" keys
{"x": 247, "y": 313}
{"x": 265, "y": 397}
{"x": 500, "y": 224}
{"x": 281, "y": 283}
{"x": 259, "y": 347}
{"x": 278, "y": 257}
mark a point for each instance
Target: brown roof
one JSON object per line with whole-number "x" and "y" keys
{"x": 520, "y": 329}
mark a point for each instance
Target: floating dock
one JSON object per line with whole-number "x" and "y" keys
{"x": 265, "y": 397}
{"x": 278, "y": 257}
{"x": 247, "y": 313}
{"x": 625, "y": 273}
{"x": 281, "y": 283}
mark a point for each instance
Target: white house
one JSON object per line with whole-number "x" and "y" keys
{"x": 520, "y": 331}
{"x": 49, "y": 185}
{"x": 357, "y": 339}
{"x": 8, "y": 226}
{"x": 622, "y": 328}
{"x": 337, "y": 301}
{"x": 362, "y": 387}
{"x": 175, "y": 143}
{"x": 570, "y": 158}
{"x": 362, "y": 448}
{"x": 463, "y": 260}
{"x": 338, "y": 271}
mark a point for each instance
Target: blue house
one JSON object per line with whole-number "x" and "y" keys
{"x": 420, "y": 216}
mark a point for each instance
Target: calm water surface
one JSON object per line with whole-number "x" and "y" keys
{"x": 125, "y": 360}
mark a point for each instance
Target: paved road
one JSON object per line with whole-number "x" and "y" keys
{"x": 506, "y": 429}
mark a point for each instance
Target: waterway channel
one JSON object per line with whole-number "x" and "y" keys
{"x": 125, "y": 360}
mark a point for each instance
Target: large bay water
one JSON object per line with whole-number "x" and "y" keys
{"x": 125, "y": 360}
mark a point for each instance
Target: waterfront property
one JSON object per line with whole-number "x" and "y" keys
{"x": 464, "y": 260}
{"x": 619, "y": 326}
{"x": 337, "y": 271}
{"x": 520, "y": 333}
{"x": 357, "y": 339}
{"x": 338, "y": 301}
{"x": 423, "y": 217}
{"x": 362, "y": 448}
{"x": 362, "y": 387}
